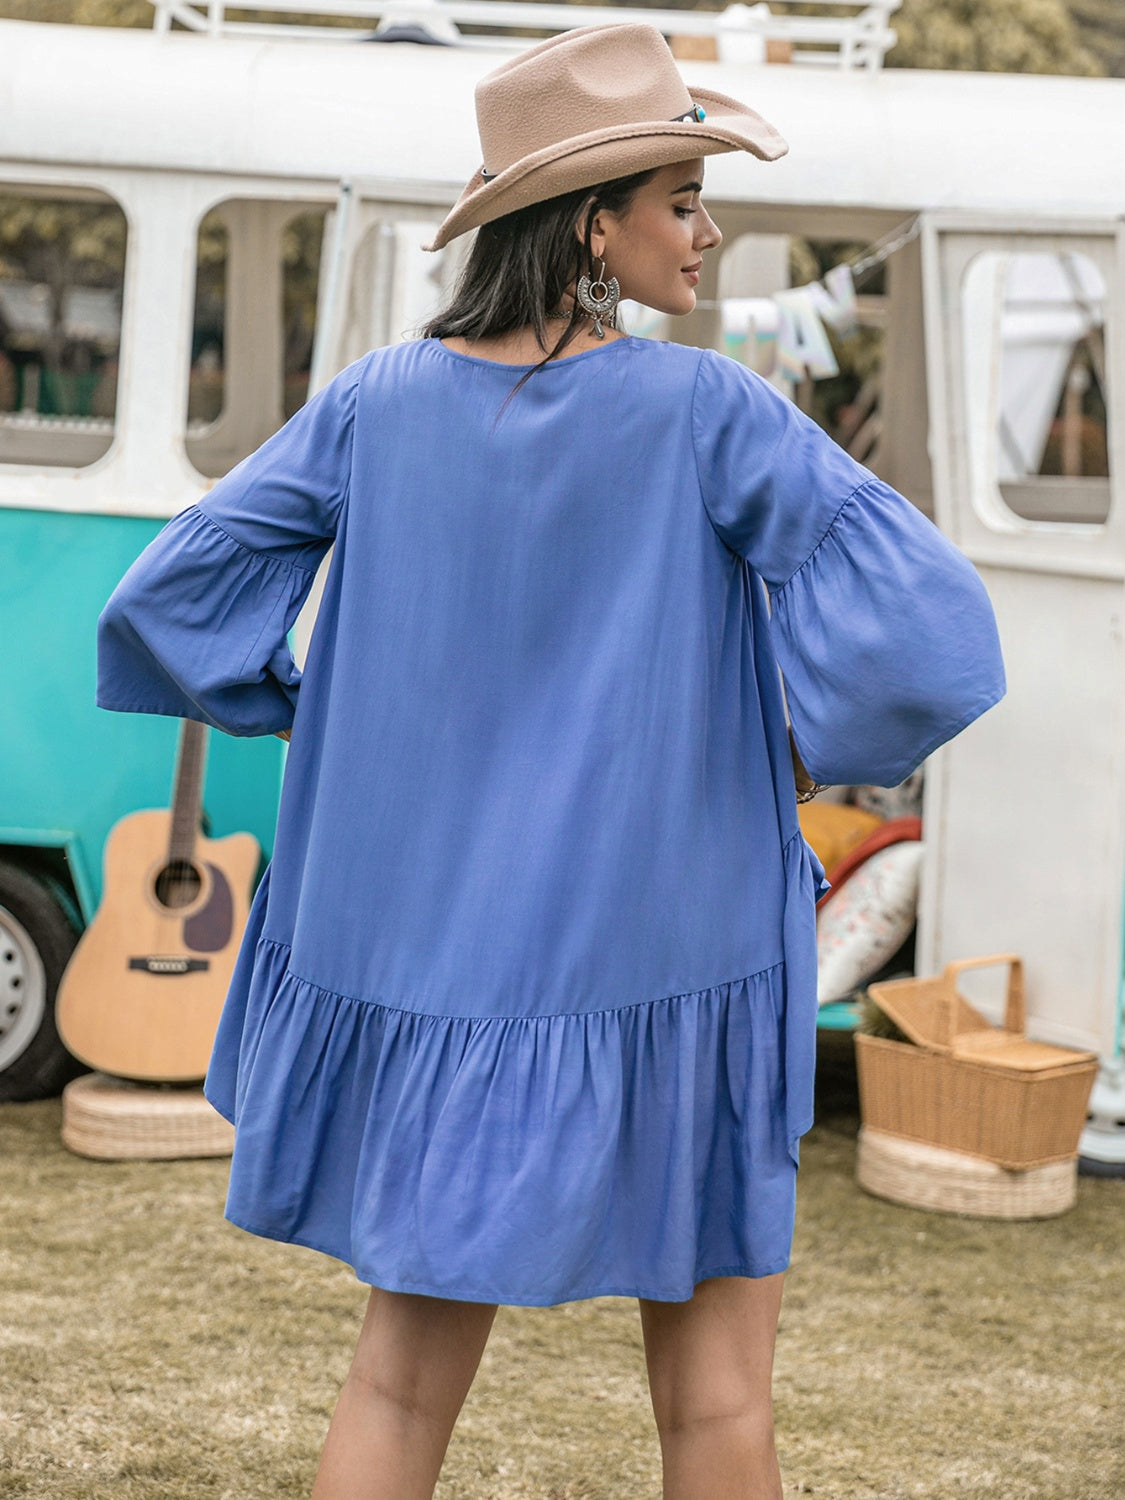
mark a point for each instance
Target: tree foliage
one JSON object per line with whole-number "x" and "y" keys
{"x": 1101, "y": 28}
{"x": 80, "y": 12}
{"x": 990, "y": 36}
{"x": 134, "y": 13}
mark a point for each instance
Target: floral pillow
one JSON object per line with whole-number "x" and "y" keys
{"x": 864, "y": 925}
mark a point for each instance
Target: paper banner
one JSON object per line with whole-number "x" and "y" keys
{"x": 802, "y": 343}
{"x": 749, "y": 326}
{"x": 784, "y": 334}
{"x": 837, "y": 305}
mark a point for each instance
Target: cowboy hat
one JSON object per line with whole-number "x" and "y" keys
{"x": 586, "y": 107}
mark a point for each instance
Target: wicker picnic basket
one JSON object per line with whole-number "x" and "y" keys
{"x": 964, "y": 1085}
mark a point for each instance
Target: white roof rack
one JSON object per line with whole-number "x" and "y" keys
{"x": 742, "y": 33}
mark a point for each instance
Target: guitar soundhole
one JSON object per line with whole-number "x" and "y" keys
{"x": 178, "y": 884}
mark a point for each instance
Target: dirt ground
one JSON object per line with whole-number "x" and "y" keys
{"x": 149, "y": 1351}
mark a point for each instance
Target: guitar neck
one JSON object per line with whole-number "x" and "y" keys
{"x": 187, "y": 796}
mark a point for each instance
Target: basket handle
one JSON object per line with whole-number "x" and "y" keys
{"x": 1015, "y": 1013}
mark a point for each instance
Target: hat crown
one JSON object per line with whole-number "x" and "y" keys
{"x": 595, "y": 78}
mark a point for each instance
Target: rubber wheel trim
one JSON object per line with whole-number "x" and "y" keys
{"x": 44, "y": 1065}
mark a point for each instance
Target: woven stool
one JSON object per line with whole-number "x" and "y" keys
{"x": 115, "y": 1120}
{"x": 923, "y": 1176}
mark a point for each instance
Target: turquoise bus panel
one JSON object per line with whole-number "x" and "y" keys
{"x": 68, "y": 769}
{"x": 838, "y": 1015}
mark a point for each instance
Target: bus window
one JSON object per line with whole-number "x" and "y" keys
{"x": 848, "y": 405}
{"x": 301, "y": 243}
{"x": 62, "y": 269}
{"x": 205, "y": 377}
{"x": 393, "y": 286}
{"x": 1036, "y": 388}
{"x": 256, "y": 275}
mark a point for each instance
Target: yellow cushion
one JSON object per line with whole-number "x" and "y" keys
{"x": 833, "y": 828}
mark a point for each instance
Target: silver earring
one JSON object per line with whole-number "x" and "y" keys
{"x": 600, "y": 300}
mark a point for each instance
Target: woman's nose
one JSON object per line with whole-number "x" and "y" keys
{"x": 708, "y": 236}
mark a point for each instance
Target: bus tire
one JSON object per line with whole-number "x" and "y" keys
{"x": 37, "y": 937}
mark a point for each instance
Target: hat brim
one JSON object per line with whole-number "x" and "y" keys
{"x": 602, "y": 155}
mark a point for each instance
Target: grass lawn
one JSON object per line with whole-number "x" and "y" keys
{"x": 148, "y": 1349}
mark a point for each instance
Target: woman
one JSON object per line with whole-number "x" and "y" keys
{"x": 526, "y": 1007}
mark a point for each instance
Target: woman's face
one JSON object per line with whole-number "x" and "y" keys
{"x": 655, "y": 248}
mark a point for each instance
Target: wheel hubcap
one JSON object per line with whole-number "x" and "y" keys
{"x": 23, "y": 989}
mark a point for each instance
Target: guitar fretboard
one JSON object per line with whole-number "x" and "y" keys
{"x": 187, "y": 795}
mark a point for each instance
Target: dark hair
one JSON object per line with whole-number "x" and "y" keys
{"x": 520, "y": 266}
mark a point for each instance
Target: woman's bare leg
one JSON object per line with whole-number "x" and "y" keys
{"x": 710, "y": 1370}
{"x": 412, "y": 1370}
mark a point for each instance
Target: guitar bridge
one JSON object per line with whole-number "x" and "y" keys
{"x": 170, "y": 964}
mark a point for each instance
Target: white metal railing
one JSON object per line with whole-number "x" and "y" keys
{"x": 742, "y": 33}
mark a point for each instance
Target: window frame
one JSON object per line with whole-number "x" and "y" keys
{"x": 145, "y": 471}
{"x": 970, "y": 511}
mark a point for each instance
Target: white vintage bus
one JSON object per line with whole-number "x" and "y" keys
{"x": 204, "y": 150}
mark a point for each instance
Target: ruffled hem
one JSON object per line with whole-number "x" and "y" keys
{"x": 532, "y": 1161}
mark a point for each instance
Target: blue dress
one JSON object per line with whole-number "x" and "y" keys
{"x": 526, "y": 1007}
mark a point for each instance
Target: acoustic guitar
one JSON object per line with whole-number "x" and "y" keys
{"x": 142, "y": 993}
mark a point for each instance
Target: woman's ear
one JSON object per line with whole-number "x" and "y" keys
{"x": 597, "y": 228}
{"x": 597, "y": 234}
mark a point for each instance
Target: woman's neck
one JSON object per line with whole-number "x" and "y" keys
{"x": 523, "y": 348}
